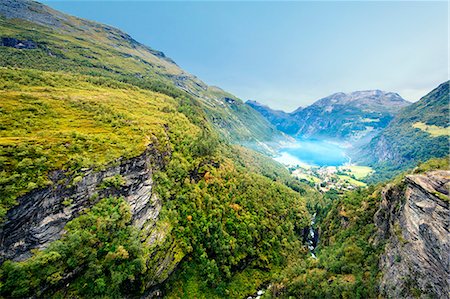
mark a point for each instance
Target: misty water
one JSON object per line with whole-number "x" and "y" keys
{"x": 313, "y": 152}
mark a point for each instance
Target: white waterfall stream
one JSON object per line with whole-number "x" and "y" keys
{"x": 312, "y": 237}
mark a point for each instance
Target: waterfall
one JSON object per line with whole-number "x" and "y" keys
{"x": 312, "y": 238}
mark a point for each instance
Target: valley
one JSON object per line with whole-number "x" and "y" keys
{"x": 323, "y": 164}
{"x": 124, "y": 176}
{"x": 339, "y": 178}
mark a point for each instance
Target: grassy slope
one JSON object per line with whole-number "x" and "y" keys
{"x": 56, "y": 121}
{"x": 434, "y": 131}
{"x": 94, "y": 49}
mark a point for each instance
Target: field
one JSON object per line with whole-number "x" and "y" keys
{"x": 332, "y": 177}
{"x": 359, "y": 172}
{"x": 434, "y": 131}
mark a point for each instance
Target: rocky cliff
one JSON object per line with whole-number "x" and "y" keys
{"x": 414, "y": 221}
{"x": 41, "y": 215}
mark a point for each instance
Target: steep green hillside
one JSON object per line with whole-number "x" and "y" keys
{"x": 80, "y": 98}
{"x": 419, "y": 132}
{"x": 35, "y": 36}
{"x": 53, "y": 121}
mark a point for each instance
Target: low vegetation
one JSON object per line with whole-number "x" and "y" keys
{"x": 100, "y": 249}
{"x": 58, "y": 121}
{"x": 434, "y": 131}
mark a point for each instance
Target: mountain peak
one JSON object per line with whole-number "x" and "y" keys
{"x": 364, "y": 99}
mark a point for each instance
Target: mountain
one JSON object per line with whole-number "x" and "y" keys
{"x": 36, "y": 36}
{"x": 350, "y": 116}
{"x": 283, "y": 121}
{"x": 118, "y": 170}
{"x": 120, "y": 178}
{"x": 417, "y": 133}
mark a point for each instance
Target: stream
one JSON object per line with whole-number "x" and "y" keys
{"x": 313, "y": 237}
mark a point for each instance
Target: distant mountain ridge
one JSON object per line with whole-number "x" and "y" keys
{"x": 366, "y": 100}
{"x": 351, "y": 116}
{"x": 283, "y": 121}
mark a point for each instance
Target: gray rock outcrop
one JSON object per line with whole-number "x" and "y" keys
{"x": 414, "y": 220}
{"x": 40, "y": 216}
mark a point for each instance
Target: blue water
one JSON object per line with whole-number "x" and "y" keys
{"x": 313, "y": 152}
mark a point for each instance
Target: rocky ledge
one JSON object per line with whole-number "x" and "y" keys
{"x": 40, "y": 216}
{"x": 413, "y": 220}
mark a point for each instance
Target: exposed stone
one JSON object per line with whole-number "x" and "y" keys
{"x": 40, "y": 216}
{"x": 414, "y": 218}
{"x": 18, "y": 44}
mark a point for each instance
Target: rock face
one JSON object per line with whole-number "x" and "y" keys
{"x": 18, "y": 44}
{"x": 41, "y": 215}
{"x": 414, "y": 218}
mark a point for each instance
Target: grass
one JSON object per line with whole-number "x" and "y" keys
{"x": 85, "y": 47}
{"x": 434, "y": 131}
{"x": 53, "y": 121}
{"x": 352, "y": 181}
{"x": 304, "y": 176}
{"x": 359, "y": 172}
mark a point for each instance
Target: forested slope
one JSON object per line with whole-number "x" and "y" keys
{"x": 113, "y": 172}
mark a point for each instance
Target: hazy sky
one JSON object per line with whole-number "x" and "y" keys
{"x": 289, "y": 54}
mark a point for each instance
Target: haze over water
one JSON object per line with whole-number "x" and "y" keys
{"x": 313, "y": 152}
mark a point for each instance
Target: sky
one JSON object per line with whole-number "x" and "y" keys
{"x": 289, "y": 54}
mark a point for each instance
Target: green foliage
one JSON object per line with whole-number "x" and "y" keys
{"x": 89, "y": 96}
{"x": 115, "y": 181}
{"x": 100, "y": 250}
{"x": 433, "y": 164}
{"x": 188, "y": 283}
{"x": 228, "y": 219}
{"x": 56, "y": 121}
{"x": 62, "y": 121}
{"x": 347, "y": 264}
{"x": 407, "y": 144}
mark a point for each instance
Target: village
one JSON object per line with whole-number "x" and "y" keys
{"x": 325, "y": 178}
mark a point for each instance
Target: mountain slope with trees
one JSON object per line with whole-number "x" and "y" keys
{"x": 116, "y": 166}
{"x": 120, "y": 177}
{"x": 418, "y": 133}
